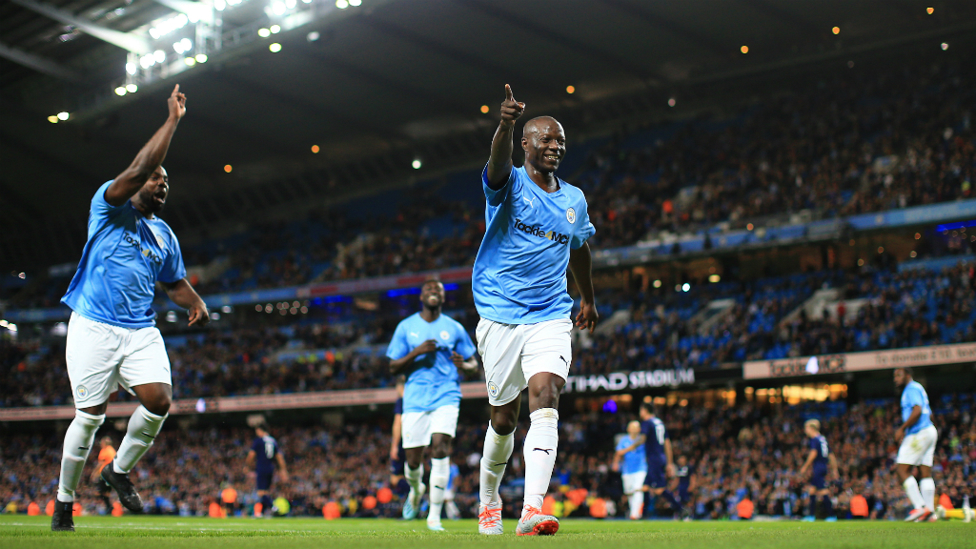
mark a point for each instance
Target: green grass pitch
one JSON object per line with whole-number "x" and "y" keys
{"x": 174, "y": 533}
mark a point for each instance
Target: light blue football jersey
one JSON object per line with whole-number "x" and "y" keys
{"x": 519, "y": 275}
{"x": 434, "y": 382}
{"x": 915, "y": 395}
{"x": 125, "y": 255}
{"x": 634, "y": 460}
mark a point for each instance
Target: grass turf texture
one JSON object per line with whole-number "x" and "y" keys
{"x": 173, "y": 532}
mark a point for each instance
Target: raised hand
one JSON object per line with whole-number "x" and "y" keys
{"x": 177, "y": 104}
{"x": 511, "y": 109}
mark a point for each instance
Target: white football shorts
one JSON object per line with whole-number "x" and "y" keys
{"x": 633, "y": 482}
{"x": 418, "y": 427}
{"x": 919, "y": 448}
{"x": 513, "y": 353}
{"x": 101, "y": 357}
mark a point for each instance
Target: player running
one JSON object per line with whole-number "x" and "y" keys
{"x": 429, "y": 347}
{"x": 263, "y": 457}
{"x": 820, "y": 459}
{"x": 112, "y": 334}
{"x": 686, "y": 484}
{"x": 917, "y": 436}
{"x": 536, "y": 226}
{"x": 657, "y": 452}
{"x": 633, "y": 468}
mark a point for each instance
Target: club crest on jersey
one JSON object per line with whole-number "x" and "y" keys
{"x": 445, "y": 336}
{"x": 81, "y": 391}
{"x": 159, "y": 239}
{"x": 492, "y": 389}
{"x": 571, "y": 215}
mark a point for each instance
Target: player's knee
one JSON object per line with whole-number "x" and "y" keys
{"x": 441, "y": 450}
{"x": 503, "y": 423}
{"x": 159, "y": 404}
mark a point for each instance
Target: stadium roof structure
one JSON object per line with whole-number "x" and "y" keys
{"x": 375, "y": 84}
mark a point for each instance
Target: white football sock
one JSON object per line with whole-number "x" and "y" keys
{"x": 440, "y": 469}
{"x": 636, "y": 501}
{"x": 913, "y": 493}
{"x": 78, "y": 441}
{"x": 143, "y": 428}
{"x": 413, "y": 476}
{"x": 540, "y": 454}
{"x": 498, "y": 449}
{"x": 927, "y": 487}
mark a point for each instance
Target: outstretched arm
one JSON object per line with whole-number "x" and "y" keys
{"x": 500, "y": 163}
{"x": 150, "y": 157}
{"x": 581, "y": 264}
{"x": 185, "y": 296}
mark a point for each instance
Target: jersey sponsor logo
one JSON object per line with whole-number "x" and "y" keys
{"x": 445, "y": 336}
{"x": 146, "y": 252}
{"x": 571, "y": 215}
{"x": 535, "y": 230}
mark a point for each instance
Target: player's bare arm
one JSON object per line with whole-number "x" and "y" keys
{"x": 249, "y": 462}
{"x": 581, "y": 264}
{"x": 912, "y": 420}
{"x": 183, "y": 294}
{"x": 833, "y": 467}
{"x": 395, "y": 443}
{"x": 151, "y": 157}
{"x": 500, "y": 162}
{"x": 670, "y": 469}
{"x": 806, "y": 465}
{"x": 282, "y": 468}
{"x": 468, "y": 365}
{"x": 399, "y": 366}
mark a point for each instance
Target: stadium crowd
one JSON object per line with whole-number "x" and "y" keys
{"x": 913, "y": 307}
{"x": 864, "y": 142}
{"x": 750, "y": 450}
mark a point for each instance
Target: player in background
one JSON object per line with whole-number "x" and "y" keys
{"x": 820, "y": 460}
{"x": 397, "y": 483}
{"x": 106, "y": 454}
{"x": 451, "y": 508}
{"x": 262, "y": 457}
{"x": 657, "y": 452}
{"x": 112, "y": 335}
{"x": 687, "y": 482}
{"x": 536, "y": 226}
{"x": 917, "y": 436}
{"x": 429, "y": 348}
{"x": 632, "y": 466}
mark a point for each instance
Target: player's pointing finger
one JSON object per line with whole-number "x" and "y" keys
{"x": 508, "y": 93}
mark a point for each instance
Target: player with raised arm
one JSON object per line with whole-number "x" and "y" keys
{"x": 429, "y": 348}
{"x": 262, "y": 457}
{"x": 657, "y": 452}
{"x": 112, "y": 335}
{"x": 918, "y": 437}
{"x": 630, "y": 461}
{"x": 536, "y": 226}
{"x": 820, "y": 460}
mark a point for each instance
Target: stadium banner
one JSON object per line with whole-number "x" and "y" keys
{"x": 935, "y": 355}
{"x": 624, "y": 381}
{"x": 252, "y": 403}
